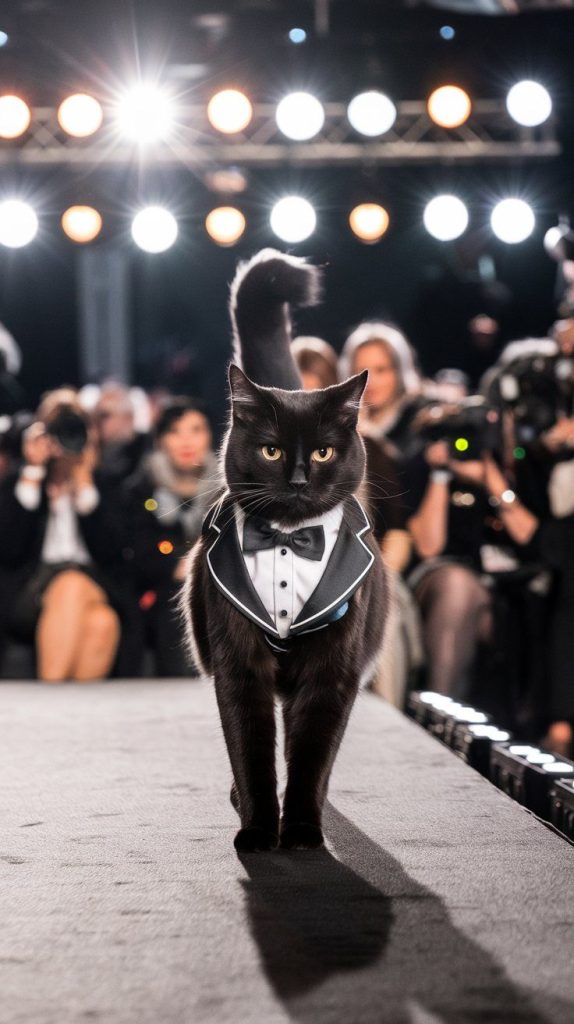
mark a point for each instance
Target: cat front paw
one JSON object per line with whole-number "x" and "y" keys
{"x": 255, "y": 839}
{"x": 301, "y": 835}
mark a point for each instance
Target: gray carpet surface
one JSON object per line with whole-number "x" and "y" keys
{"x": 122, "y": 900}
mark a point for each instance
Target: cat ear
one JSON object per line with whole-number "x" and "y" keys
{"x": 347, "y": 397}
{"x": 245, "y": 397}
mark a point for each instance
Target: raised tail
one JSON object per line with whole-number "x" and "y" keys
{"x": 263, "y": 292}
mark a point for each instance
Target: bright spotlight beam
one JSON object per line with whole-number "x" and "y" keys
{"x": 449, "y": 106}
{"x": 15, "y": 117}
{"x": 18, "y": 223}
{"x": 446, "y": 218}
{"x": 146, "y": 114}
{"x": 529, "y": 103}
{"x": 512, "y": 221}
{"x": 369, "y": 222}
{"x": 80, "y": 115}
{"x": 371, "y": 113}
{"x": 154, "y": 229}
{"x": 229, "y": 111}
{"x": 300, "y": 116}
{"x": 293, "y": 219}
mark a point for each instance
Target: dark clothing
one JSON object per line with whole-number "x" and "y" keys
{"x": 558, "y": 547}
{"x": 385, "y": 494}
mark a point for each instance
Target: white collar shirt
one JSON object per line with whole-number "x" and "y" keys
{"x": 284, "y": 580}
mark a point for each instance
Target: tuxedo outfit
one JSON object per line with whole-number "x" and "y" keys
{"x": 280, "y": 590}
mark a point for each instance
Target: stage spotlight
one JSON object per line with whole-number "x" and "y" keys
{"x": 145, "y": 114}
{"x": 447, "y": 32}
{"x": 529, "y": 103}
{"x": 369, "y": 221}
{"x": 81, "y": 223}
{"x": 372, "y": 113}
{"x": 297, "y": 36}
{"x": 3, "y": 38}
{"x": 293, "y": 219}
{"x": 18, "y": 223}
{"x": 512, "y": 221}
{"x": 154, "y": 229}
{"x": 300, "y": 116}
{"x": 446, "y": 218}
{"x": 225, "y": 225}
{"x": 80, "y": 115}
{"x": 229, "y": 111}
{"x": 449, "y": 106}
{"x": 15, "y": 117}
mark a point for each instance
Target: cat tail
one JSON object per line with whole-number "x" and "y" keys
{"x": 263, "y": 292}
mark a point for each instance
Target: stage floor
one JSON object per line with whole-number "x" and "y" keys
{"x": 122, "y": 899}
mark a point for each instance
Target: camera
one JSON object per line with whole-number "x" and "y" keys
{"x": 468, "y": 427}
{"x": 70, "y": 430}
{"x": 538, "y": 388}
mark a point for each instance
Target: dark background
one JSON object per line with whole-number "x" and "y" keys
{"x": 180, "y": 322}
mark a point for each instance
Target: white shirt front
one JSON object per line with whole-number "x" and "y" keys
{"x": 63, "y": 541}
{"x": 283, "y": 580}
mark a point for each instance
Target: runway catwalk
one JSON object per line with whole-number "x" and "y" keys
{"x": 123, "y": 900}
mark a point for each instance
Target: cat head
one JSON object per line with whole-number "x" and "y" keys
{"x": 291, "y": 455}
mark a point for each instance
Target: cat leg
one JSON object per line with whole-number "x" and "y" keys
{"x": 315, "y": 720}
{"x": 246, "y": 707}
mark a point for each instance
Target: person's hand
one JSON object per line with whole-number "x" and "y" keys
{"x": 470, "y": 470}
{"x": 437, "y": 455}
{"x": 561, "y": 435}
{"x": 494, "y": 480}
{"x": 181, "y": 570}
{"x": 37, "y": 446}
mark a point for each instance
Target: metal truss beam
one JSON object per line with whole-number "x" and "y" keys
{"x": 488, "y": 135}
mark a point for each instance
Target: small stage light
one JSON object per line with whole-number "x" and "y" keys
{"x": 447, "y": 32}
{"x": 446, "y": 218}
{"x": 154, "y": 229}
{"x": 18, "y": 223}
{"x": 293, "y": 219}
{"x": 81, "y": 223}
{"x": 529, "y": 103}
{"x": 300, "y": 116}
{"x": 80, "y": 115}
{"x": 449, "y": 106}
{"x": 229, "y": 111}
{"x": 3, "y": 38}
{"x": 297, "y": 36}
{"x": 15, "y": 117}
{"x": 372, "y": 113}
{"x": 225, "y": 225}
{"x": 512, "y": 221}
{"x": 145, "y": 114}
{"x": 369, "y": 221}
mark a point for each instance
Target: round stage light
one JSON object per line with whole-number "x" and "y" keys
{"x": 297, "y": 36}
{"x": 449, "y": 106}
{"x": 446, "y": 218}
{"x": 146, "y": 114}
{"x": 229, "y": 111}
{"x": 529, "y": 103}
{"x": 15, "y": 117}
{"x": 225, "y": 225}
{"x": 539, "y": 757}
{"x": 3, "y": 38}
{"x": 369, "y": 221}
{"x": 512, "y": 221}
{"x": 81, "y": 223}
{"x": 293, "y": 219}
{"x": 300, "y": 116}
{"x": 372, "y": 113}
{"x": 80, "y": 115}
{"x": 560, "y": 768}
{"x": 154, "y": 229}
{"x": 18, "y": 223}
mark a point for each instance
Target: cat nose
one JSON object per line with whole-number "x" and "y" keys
{"x": 298, "y": 478}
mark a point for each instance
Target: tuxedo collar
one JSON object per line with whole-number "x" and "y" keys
{"x": 348, "y": 565}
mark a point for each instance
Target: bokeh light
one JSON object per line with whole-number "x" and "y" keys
{"x": 154, "y": 229}
{"x": 369, "y": 221}
{"x": 371, "y": 113}
{"x": 446, "y": 218}
{"x": 449, "y": 106}
{"x": 300, "y": 116}
{"x": 293, "y": 219}
{"x": 529, "y": 103}
{"x": 297, "y": 36}
{"x": 81, "y": 223}
{"x": 80, "y": 115}
{"x": 146, "y": 114}
{"x": 229, "y": 111}
{"x": 15, "y": 116}
{"x": 225, "y": 225}
{"x": 18, "y": 223}
{"x": 512, "y": 221}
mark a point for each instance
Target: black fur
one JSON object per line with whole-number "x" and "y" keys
{"x": 318, "y": 678}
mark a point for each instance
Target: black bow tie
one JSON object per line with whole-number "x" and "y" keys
{"x": 308, "y": 542}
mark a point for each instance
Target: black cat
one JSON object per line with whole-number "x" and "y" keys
{"x": 293, "y": 461}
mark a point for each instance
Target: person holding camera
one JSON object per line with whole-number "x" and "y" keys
{"x": 60, "y": 554}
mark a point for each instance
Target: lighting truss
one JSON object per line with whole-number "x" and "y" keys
{"x": 490, "y": 134}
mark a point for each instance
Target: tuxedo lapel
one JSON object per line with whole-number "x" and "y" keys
{"x": 348, "y": 565}
{"x": 228, "y": 571}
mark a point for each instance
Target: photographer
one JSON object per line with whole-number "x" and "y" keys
{"x": 59, "y": 553}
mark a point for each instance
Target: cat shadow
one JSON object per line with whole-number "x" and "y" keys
{"x": 353, "y": 938}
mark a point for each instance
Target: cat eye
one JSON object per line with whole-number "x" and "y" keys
{"x": 271, "y": 453}
{"x": 322, "y": 454}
